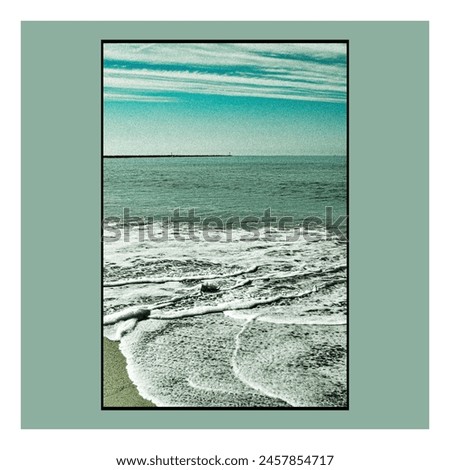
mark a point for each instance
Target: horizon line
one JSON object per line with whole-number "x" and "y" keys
{"x": 175, "y": 155}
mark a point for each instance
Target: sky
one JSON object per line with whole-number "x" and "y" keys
{"x": 221, "y": 98}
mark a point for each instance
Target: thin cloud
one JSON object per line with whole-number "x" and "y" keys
{"x": 111, "y": 96}
{"x": 313, "y": 72}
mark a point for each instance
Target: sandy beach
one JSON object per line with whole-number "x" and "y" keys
{"x": 118, "y": 390}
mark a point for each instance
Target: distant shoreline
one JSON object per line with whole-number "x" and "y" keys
{"x": 163, "y": 156}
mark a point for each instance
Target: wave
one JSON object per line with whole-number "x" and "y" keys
{"x": 259, "y": 324}
{"x": 237, "y": 369}
{"x": 140, "y": 312}
{"x": 162, "y": 280}
{"x": 216, "y": 361}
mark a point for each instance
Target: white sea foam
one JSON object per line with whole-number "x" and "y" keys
{"x": 272, "y": 315}
{"x": 153, "y": 311}
{"x": 272, "y": 336}
{"x": 115, "y": 331}
{"x": 303, "y": 366}
{"x": 163, "y": 280}
{"x": 188, "y": 364}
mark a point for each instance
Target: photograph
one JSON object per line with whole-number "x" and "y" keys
{"x": 234, "y": 279}
{"x": 225, "y": 224}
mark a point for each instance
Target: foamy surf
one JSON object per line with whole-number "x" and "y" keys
{"x": 214, "y": 324}
{"x": 163, "y": 280}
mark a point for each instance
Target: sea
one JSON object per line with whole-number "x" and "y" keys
{"x": 225, "y": 279}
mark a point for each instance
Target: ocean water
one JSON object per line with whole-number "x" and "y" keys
{"x": 229, "y": 186}
{"x": 228, "y": 317}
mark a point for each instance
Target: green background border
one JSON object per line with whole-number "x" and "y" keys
{"x": 61, "y": 225}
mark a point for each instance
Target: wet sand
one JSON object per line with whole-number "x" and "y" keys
{"x": 118, "y": 389}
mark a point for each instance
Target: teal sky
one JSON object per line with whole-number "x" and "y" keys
{"x": 216, "y": 98}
